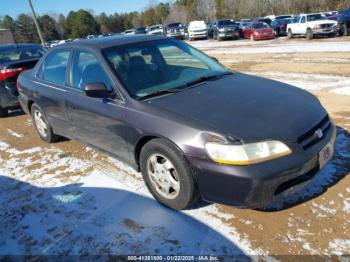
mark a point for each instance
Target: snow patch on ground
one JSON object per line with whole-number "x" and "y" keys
{"x": 331, "y": 83}
{"x": 48, "y": 210}
{"x": 249, "y": 47}
{"x": 13, "y": 133}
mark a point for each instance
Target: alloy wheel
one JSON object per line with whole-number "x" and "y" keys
{"x": 163, "y": 176}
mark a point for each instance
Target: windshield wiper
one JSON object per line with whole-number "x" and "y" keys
{"x": 183, "y": 87}
{"x": 158, "y": 93}
{"x": 206, "y": 78}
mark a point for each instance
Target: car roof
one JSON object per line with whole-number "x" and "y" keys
{"x": 115, "y": 40}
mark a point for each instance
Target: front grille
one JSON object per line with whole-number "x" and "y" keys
{"x": 327, "y": 25}
{"x": 297, "y": 181}
{"x": 311, "y": 137}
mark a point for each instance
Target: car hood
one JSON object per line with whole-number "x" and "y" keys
{"x": 322, "y": 22}
{"x": 263, "y": 30}
{"x": 247, "y": 108}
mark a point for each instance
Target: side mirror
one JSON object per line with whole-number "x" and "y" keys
{"x": 97, "y": 90}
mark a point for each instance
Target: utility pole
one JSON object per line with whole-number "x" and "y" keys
{"x": 36, "y": 23}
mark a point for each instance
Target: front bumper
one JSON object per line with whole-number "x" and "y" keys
{"x": 263, "y": 37}
{"x": 201, "y": 34}
{"x": 229, "y": 34}
{"x": 176, "y": 35}
{"x": 258, "y": 185}
{"x": 321, "y": 31}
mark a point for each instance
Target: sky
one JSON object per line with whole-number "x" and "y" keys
{"x": 15, "y": 7}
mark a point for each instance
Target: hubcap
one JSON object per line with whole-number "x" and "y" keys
{"x": 40, "y": 123}
{"x": 163, "y": 176}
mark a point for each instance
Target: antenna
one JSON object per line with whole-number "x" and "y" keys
{"x": 36, "y": 23}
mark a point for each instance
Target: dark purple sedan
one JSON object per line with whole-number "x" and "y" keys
{"x": 191, "y": 126}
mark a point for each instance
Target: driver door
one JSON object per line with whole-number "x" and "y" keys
{"x": 96, "y": 121}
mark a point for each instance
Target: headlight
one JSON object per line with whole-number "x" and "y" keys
{"x": 256, "y": 33}
{"x": 222, "y": 30}
{"x": 317, "y": 27}
{"x": 246, "y": 154}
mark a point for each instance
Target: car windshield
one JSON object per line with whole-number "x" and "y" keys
{"x": 156, "y": 67}
{"x": 315, "y": 17}
{"x": 260, "y": 26}
{"x": 155, "y": 27}
{"x": 175, "y": 25}
{"x": 16, "y": 53}
{"x": 226, "y": 23}
{"x": 284, "y": 21}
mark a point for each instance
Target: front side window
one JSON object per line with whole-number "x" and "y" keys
{"x": 315, "y": 17}
{"x": 87, "y": 69}
{"x": 55, "y": 67}
{"x": 302, "y": 19}
{"x": 151, "y": 67}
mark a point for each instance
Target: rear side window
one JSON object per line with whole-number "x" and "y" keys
{"x": 87, "y": 69}
{"x": 55, "y": 67}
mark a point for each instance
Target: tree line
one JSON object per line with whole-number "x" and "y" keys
{"x": 81, "y": 23}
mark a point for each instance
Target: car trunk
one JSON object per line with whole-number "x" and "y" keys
{"x": 9, "y": 73}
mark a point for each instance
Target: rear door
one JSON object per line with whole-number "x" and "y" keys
{"x": 98, "y": 122}
{"x": 51, "y": 84}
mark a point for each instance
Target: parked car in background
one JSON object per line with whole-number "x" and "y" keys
{"x": 263, "y": 20}
{"x": 282, "y": 17}
{"x": 129, "y": 32}
{"x": 225, "y": 29}
{"x": 141, "y": 30}
{"x": 14, "y": 59}
{"x": 258, "y": 31}
{"x": 175, "y": 30}
{"x": 310, "y": 25}
{"x": 344, "y": 22}
{"x": 53, "y": 43}
{"x": 279, "y": 26}
{"x": 156, "y": 30}
{"x": 242, "y": 25}
{"x": 197, "y": 30}
{"x": 181, "y": 118}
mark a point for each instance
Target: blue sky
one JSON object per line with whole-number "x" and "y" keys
{"x": 15, "y": 7}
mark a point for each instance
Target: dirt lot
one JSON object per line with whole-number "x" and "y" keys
{"x": 62, "y": 198}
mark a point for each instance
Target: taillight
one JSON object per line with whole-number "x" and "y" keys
{"x": 10, "y": 72}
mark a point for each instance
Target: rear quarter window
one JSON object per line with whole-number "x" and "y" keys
{"x": 54, "y": 68}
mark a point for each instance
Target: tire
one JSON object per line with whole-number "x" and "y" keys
{"x": 43, "y": 128}
{"x": 346, "y": 30}
{"x": 309, "y": 34}
{"x": 177, "y": 170}
{"x": 3, "y": 112}
{"x": 290, "y": 34}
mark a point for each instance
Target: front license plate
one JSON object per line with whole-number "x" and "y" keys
{"x": 326, "y": 154}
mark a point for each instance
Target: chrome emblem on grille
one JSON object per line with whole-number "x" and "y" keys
{"x": 319, "y": 133}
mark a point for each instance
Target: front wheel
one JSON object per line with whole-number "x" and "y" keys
{"x": 346, "y": 30}
{"x": 168, "y": 175}
{"x": 309, "y": 34}
{"x": 42, "y": 126}
{"x": 3, "y": 112}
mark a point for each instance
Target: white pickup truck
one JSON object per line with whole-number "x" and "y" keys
{"x": 309, "y": 25}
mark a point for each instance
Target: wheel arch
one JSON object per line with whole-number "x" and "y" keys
{"x": 146, "y": 139}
